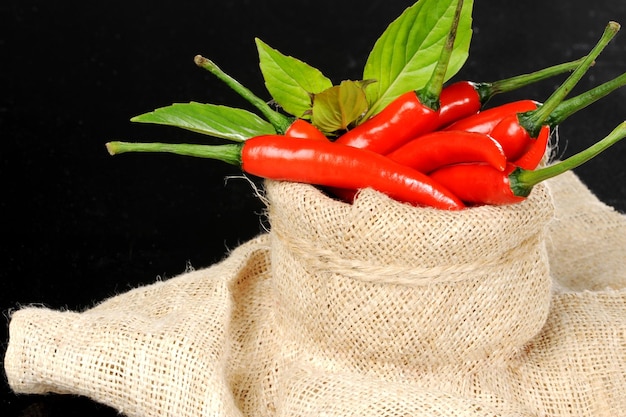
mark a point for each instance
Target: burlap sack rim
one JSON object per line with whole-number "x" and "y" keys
{"x": 336, "y": 256}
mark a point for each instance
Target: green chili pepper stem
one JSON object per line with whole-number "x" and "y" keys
{"x": 229, "y": 153}
{"x": 522, "y": 181}
{"x": 533, "y": 120}
{"x": 574, "y": 104}
{"x": 278, "y": 120}
{"x": 429, "y": 95}
{"x": 487, "y": 90}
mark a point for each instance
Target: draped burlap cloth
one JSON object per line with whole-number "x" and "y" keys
{"x": 371, "y": 309}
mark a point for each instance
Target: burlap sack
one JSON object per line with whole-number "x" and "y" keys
{"x": 242, "y": 338}
{"x": 385, "y": 287}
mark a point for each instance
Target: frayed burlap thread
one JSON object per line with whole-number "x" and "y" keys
{"x": 240, "y": 338}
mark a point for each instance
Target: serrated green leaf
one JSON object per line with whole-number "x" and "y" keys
{"x": 337, "y": 107}
{"x": 405, "y": 55}
{"x": 209, "y": 119}
{"x": 290, "y": 81}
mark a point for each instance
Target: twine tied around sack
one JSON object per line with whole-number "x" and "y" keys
{"x": 321, "y": 259}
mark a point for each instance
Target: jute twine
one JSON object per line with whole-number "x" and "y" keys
{"x": 320, "y": 259}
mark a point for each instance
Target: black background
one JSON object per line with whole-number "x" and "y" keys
{"x": 79, "y": 226}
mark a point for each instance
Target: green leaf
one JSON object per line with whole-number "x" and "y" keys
{"x": 337, "y": 107}
{"x": 209, "y": 119}
{"x": 405, "y": 55}
{"x": 290, "y": 81}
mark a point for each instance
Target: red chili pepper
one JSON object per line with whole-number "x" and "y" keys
{"x": 479, "y": 183}
{"x": 534, "y": 155}
{"x": 483, "y": 184}
{"x": 516, "y": 133}
{"x": 315, "y": 162}
{"x": 514, "y": 138}
{"x": 301, "y": 129}
{"x": 485, "y": 120}
{"x": 457, "y": 101}
{"x": 404, "y": 118}
{"x": 410, "y": 114}
{"x": 437, "y": 149}
{"x": 465, "y": 98}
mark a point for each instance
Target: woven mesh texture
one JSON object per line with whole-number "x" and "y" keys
{"x": 381, "y": 285}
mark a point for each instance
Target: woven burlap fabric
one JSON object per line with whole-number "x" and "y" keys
{"x": 221, "y": 341}
{"x": 586, "y": 240}
{"x": 199, "y": 344}
{"x": 427, "y": 287}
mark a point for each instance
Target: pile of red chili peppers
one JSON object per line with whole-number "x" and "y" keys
{"x": 437, "y": 147}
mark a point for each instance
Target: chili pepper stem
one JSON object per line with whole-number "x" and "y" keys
{"x": 574, "y": 104}
{"x": 229, "y": 153}
{"x": 533, "y": 120}
{"x": 522, "y": 181}
{"x": 487, "y": 90}
{"x": 429, "y": 95}
{"x": 278, "y": 120}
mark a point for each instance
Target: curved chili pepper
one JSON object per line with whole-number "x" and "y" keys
{"x": 465, "y": 98}
{"x": 485, "y": 120}
{"x": 404, "y": 118}
{"x": 533, "y": 156}
{"x": 514, "y": 138}
{"x": 410, "y": 114}
{"x": 315, "y": 162}
{"x": 482, "y": 184}
{"x": 458, "y": 101}
{"x": 517, "y": 132}
{"x": 301, "y": 129}
{"x": 437, "y": 149}
{"x": 479, "y": 183}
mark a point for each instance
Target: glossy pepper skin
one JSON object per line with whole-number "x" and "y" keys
{"x": 537, "y": 150}
{"x": 486, "y": 120}
{"x": 301, "y": 129}
{"x": 316, "y": 162}
{"x": 465, "y": 98}
{"x": 434, "y": 150}
{"x": 334, "y": 165}
{"x": 478, "y": 184}
{"x": 404, "y": 118}
{"x": 458, "y": 101}
{"x": 514, "y": 138}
